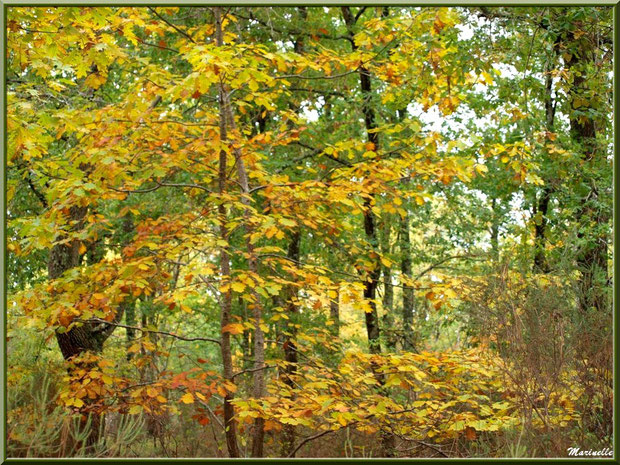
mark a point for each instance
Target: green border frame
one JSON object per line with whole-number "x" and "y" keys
{"x": 5, "y": 4}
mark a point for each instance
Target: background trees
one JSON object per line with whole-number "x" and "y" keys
{"x": 341, "y": 226}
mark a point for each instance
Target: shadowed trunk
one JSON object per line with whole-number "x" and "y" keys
{"x": 542, "y": 203}
{"x": 592, "y": 258}
{"x": 290, "y": 349}
{"x": 370, "y": 228}
{"x": 334, "y": 312}
{"x": 226, "y": 302}
{"x": 408, "y": 291}
{"x": 82, "y": 338}
{"x": 388, "y": 290}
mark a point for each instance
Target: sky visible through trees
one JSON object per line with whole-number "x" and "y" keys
{"x": 364, "y": 232}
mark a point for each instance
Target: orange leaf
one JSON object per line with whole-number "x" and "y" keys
{"x": 233, "y": 328}
{"x": 470, "y": 433}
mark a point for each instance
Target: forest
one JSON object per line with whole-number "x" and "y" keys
{"x": 309, "y": 232}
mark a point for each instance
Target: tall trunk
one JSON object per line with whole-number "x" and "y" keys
{"x": 372, "y": 281}
{"x": 592, "y": 260}
{"x": 495, "y": 230}
{"x": 226, "y": 114}
{"x": 290, "y": 348}
{"x": 149, "y": 370}
{"x": 226, "y": 304}
{"x": 408, "y": 291}
{"x": 334, "y": 312}
{"x": 404, "y": 237}
{"x": 594, "y": 340}
{"x": 370, "y": 230}
{"x": 542, "y": 203}
{"x": 84, "y": 338}
{"x": 292, "y": 309}
{"x": 130, "y": 321}
{"x": 388, "y": 289}
{"x": 130, "y": 302}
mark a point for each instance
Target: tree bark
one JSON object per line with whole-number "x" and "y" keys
{"x": 408, "y": 291}
{"x": 289, "y": 345}
{"x": 372, "y": 281}
{"x": 542, "y": 203}
{"x": 226, "y": 304}
{"x": 334, "y": 312}
{"x": 370, "y": 230}
{"x": 594, "y": 340}
{"x": 258, "y": 430}
{"x": 388, "y": 290}
{"x": 86, "y": 337}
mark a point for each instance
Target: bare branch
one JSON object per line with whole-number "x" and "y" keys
{"x": 163, "y": 333}
{"x": 176, "y": 28}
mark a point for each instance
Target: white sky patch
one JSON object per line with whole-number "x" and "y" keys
{"x": 310, "y": 114}
{"x": 465, "y": 31}
{"x": 310, "y": 111}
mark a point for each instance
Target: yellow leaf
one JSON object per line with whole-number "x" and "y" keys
{"x": 135, "y": 409}
{"x": 393, "y": 380}
{"x": 481, "y": 169}
{"x": 82, "y": 248}
{"x": 487, "y": 78}
{"x": 238, "y": 287}
{"x": 188, "y": 398}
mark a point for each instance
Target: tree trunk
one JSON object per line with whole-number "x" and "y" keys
{"x": 594, "y": 340}
{"x": 372, "y": 281}
{"x": 541, "y": 264}
{"x": 289, "y": 345}
{"x": 83, "y": 338}
{"x": 388, "y": 290}
{"x": 258, "y": 430}
{"x": 494, "y": 230}
{"x": 226, "y": 304}
{"x": 334, "y": 312}
{"x": 370, "y": 230}
{"x": 408, "y": 291}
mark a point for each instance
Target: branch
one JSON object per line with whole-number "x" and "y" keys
{"x": 39, "y": 195}
{"x": 294, "y": 32}
{"x": 158, "y": 46}
{"x": 265, "y": 186}
{"x": 333, "y": 76}
{"x": 335, "y": 93}
{"x": 320, "y": 151}
{"x": 318, "y": 435}
{"x": 162, "y": 184}
{"x": 176, "y": 28}
{"x": 440, "y": 262}
{"x": 252, "y": 370}
{"x": 359, "y": 13}
{"x": 164, "y": 333}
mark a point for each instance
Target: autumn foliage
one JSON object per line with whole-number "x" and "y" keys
{"x": 308, "y": 231}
